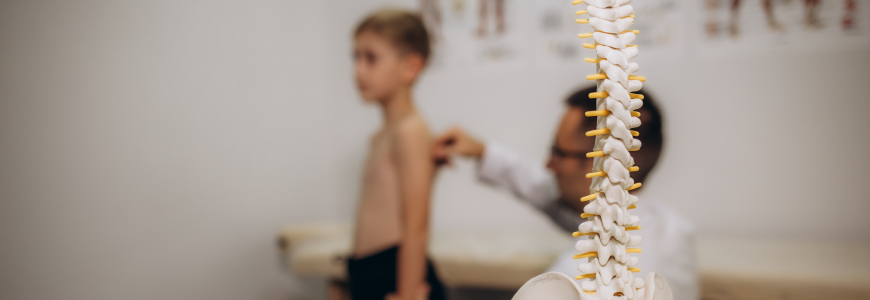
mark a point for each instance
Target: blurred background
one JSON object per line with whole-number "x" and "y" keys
{"x": 154, "y": 149}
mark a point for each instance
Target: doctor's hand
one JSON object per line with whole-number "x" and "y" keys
{"x": 455, "y": 141}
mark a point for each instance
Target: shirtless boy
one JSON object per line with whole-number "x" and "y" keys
{"x": 391, "y": 48}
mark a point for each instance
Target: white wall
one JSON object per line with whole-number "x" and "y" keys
{"x": 151, "y": 149}
{"x": 767, "y": 146}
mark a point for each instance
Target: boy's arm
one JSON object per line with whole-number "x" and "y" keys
{"x": 416, "y": 172}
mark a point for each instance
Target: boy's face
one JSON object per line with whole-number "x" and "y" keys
{"x": 568, "y": 161}
{"x": 380, "y": 68}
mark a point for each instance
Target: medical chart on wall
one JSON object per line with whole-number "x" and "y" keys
{"x": 555, "y": 39}
{"x": 742, "y": 26}
{"x": 542, "y": 33}
{"x": 477, "y": 33}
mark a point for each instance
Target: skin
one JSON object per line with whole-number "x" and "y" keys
{"x": 570, "y": 172}
{"x": 385, "y": 77}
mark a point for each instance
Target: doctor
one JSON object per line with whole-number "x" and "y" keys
{"x": 556, "y": 189}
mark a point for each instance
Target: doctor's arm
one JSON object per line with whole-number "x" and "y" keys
{"x": 500, "y": 166}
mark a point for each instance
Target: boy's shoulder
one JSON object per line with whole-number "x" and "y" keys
{"x": 411, "y": 132}
{"x": 412, "y": 126}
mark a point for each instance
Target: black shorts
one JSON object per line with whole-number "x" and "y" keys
{"x": 374, "y": 276}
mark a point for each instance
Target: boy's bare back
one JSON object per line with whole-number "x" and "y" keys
{"x": 399, "y": 156}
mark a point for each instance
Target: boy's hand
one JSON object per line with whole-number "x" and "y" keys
{"x": 422, "y": 293}
{"x": 456, "y": 141}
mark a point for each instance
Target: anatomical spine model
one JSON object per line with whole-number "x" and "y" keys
{"x": 609, "y": 266}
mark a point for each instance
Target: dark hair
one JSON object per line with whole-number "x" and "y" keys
{"x": 650, "y": 129}
{"x": 401, "y": 27}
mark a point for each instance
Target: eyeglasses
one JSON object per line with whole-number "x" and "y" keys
{"x": 561, "y": 153}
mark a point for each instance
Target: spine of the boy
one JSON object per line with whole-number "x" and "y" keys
{"x": 609, "y": 266}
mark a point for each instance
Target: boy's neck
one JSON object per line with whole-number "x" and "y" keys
{"x": 397, "y": 107}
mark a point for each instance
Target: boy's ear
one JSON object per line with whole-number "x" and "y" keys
{"x": 414, "y": 65}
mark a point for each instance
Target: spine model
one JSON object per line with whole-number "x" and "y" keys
{"x": 609, "y": 266}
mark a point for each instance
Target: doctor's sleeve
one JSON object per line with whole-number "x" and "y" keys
{"x": 527, "y": 180}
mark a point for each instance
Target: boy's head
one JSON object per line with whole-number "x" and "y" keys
{"x": 391, "y": 48}
{"x": 568, "y": 158}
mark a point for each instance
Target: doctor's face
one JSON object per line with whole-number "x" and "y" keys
{"x": 568, "y": 156}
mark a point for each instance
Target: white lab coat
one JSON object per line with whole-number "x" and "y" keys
{"x": 668, "y": 239}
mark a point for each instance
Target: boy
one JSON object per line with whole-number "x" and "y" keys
{"x": 391, "y": 48}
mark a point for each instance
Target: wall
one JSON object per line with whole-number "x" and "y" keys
{"x": 151, "y": 149}
{"x": 767, "y": 156}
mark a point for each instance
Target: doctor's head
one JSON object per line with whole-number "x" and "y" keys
{"x": 568, "y": 153}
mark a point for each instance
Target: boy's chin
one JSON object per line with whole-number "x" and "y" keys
{"x": 369, "y": 98}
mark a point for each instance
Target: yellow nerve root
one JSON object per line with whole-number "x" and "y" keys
{"x": 597, "y": 132}
{"x": 598, "y": 95}
{"x": 590, "y": 197}
{"x": 596, "y": 174}
{"x": 592, "y": 254}
{"x": 604, "y": 112}
{"x": 579, "y": 277}
{"x": 602, "y": 173}
{"x": 604, "y": 76}
{"x": 595, "y": 76}
{"x": 597, "y": 113}
{"x": 606, "y": 131}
